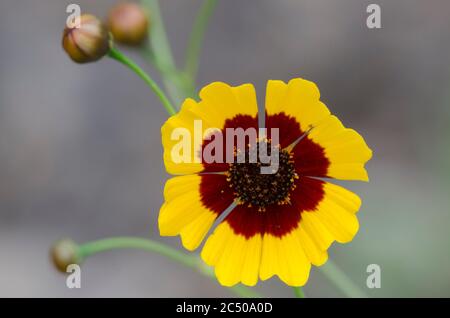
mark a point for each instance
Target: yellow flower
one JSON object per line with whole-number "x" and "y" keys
{"x": 283, "y": 222}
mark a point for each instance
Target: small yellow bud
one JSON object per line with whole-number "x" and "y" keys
{"x": 63, "y": 253}
{"x": 128, "y": 23}
{"x": 88, "y": 43}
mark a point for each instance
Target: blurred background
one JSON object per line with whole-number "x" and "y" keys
{"x": 81, "y": 156}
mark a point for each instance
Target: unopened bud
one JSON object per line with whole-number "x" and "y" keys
{"x": 88, "y": 43}
{"x": 64, "y": 253}
{"x": 128, "y": 23}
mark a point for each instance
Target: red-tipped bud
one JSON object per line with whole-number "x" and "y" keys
{"x": 128, "y": 23}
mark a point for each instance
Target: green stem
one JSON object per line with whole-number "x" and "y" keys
{"x": 298, "y": 291}
{"x": 91, "y": 248}
{"x": 176, "y": 83}
{"x": 158, "y": 36}
{"x": 119, "y": 56}
{"x": 341, "y": 281}
{"x": 162, "y": 52}
{"x": 95, "y": 247}
{"x": 196, "y": 38}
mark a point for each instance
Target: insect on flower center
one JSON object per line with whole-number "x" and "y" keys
{"x": 254, "y": 188}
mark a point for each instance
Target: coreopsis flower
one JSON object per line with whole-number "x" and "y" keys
{"x": 87, "y": 43}
{"x": 281, "y": 222}
{"x": 128, "y": 22}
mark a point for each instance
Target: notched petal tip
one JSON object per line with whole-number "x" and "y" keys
{"x": 204, "y": 92}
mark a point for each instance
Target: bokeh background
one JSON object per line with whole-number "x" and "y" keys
{"x": 81, "y": 157}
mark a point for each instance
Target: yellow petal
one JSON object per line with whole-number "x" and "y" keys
{"x": 345, "y": 149}
{"x": 315, "y": 254}
{"x": 341, "y": 224}
{"x": 298, "y": 99}
{"x": 236, "y": 258}
{"x": 180, "y": 129}
{"x": 284, "y": 257}
{"x": 183, "y": 212}
{"x": 219, "y": 103}
{"x": 312, "y": 225}
{"x": 343, "y": 197}
{"x": 334, "y": 215}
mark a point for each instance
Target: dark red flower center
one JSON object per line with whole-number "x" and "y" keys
{"x": 255, "y": 187}
{"x": 245, "y": 182}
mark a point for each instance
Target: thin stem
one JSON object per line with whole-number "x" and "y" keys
{"x": 95, "y": 247}
{"x": 119, "y": 56}
{"x": 91, "y": 248}
{"x": 341, "y": 281}
{"x": 196, "y": 38}
{"x": 298, "y": 291}
{"x": 176, "y": 82}
{"x": 165, "y": 70}
{"x": 158, "y": 36}
{"x": 162, "y": 52}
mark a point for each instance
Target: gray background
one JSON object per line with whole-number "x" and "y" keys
{"x": 80, "y": 150}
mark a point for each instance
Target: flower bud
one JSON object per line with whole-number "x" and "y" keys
{"x": 88, "y": 43}
{"x": 128, "y": 23}
{"x": 63, "y": 253}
